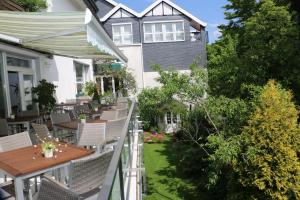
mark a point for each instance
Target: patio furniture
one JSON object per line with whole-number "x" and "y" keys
{"x": 4, "y": 129}
{"x": 121, "y": 113}
{"x": 87, "y": 177}
{"x": 42, "y": 133}
{"x": 109, "y": 115}
{"x": 114, "y": 129}
{"x": 28, "y": 162}
{"x": 122, "y": 100}
{"x": 58, "y": 118}
{"x": 73, "y": 125}
{"x": 121, "y": 105}
{"x": 91, "y": 134}
{"x": 15, "y": 141}
{"x": 23, "y": 121}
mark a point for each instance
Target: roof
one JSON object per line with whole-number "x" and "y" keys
{"x": 10, "y": 5}
{"x": 112, "y": 2}
{"x": 115, "y": 9}
{"x": 156, "y": 3}
{"x": 72, "y": 34}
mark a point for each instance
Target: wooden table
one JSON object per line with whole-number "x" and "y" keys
{"x": 25, "y": 121}
{"x": 25, "y": 163}
{"x": 73, "y": 125}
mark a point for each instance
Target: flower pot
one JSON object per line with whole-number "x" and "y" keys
{"x": 48, "y": 153}
{"x": 83, "y": 121}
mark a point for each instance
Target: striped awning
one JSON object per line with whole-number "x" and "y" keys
{"x": 72, "y": 34}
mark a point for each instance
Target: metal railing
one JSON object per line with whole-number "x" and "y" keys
{"x": 117, "y": 181}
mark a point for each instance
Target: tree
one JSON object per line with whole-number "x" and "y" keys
{"x": 268, "y": 164}
{"x": 32, "y": 5}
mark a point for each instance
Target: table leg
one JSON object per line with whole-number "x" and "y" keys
{"x": 19, "y": 187}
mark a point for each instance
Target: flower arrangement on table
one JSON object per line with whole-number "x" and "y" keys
{"x": 154, "y": 137}
{"x": 48, "y": 149}
{"x": 82, "y": 118}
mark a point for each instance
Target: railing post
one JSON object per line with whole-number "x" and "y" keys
{"x": 121, "y": 180}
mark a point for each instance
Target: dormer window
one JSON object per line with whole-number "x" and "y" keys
{"x": 122, "y": 33}
{"x": 172, "y": 31}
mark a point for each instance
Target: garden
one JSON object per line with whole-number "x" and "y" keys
{"x": 239, "y": 135}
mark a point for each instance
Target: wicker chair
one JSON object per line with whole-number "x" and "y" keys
{"x": 15, "y": 141}
{"x": 87, "y": 175}
{"x": 114, "y": 129}
{"x": 4, "y": 129}
{"x": 58, "y": 118}
{"x": 121, "y": 113}
{"x": 51, "y": 189}
{"x": 109, "y": 115}
{"x": 41, "y": 132}
{"x": 86, "y": 180}
{"x": 91, "y": 134}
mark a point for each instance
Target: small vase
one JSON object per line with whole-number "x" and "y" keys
{"x": 96, "y": 109}
{"x": 48, "y": 153}
{"x": 83, "y": 121}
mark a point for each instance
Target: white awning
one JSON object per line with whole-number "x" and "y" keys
{"x": 72, "y": 34}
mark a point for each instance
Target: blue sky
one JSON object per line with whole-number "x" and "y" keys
{"x": 209, "y": 11}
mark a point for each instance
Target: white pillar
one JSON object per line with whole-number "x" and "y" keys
{"x": 113, "y": 85}
{"x": 102, "y": 85}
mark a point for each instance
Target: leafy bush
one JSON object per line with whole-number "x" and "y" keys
{"x": 45, "y": 95}
{"x": 32, "y": 5}
{"x": 91, "y": 90}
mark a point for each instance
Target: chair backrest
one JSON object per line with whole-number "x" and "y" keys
{"x": 89, "y": 173}
{"x": 4, "y": 129}
{"x": 114, "y": 129}
{"x": 122, "y": 100}
{"x": 109, "y": 115}
{"x": 50, "y": 190}
{"x": 91, "y": 134}
{"x": 72, "y": 114}
{"x": 82, "y": 109}
{"x": 42, "y": 133}
{"x": 15, "y": 141}
{"x": 122, "y": 113}
{"x": 121, "y": 105}
{"x": 57, "y": 118}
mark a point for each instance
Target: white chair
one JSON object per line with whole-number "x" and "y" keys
{"x": 15, "y": 141}
{"x": 91, "y": 134}
{"x": 109, "y": 115}
{"x": 114, "y": 129}
{"x": 121, "y": 113}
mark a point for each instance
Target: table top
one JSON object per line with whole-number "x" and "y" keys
{"x": 30, "y": 159}
{"x": 73, "y": 125}
{"x": 22, "y": 119}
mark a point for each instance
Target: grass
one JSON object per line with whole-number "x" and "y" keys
{"x": 164, "y": 182}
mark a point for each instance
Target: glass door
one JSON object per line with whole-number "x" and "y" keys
{"x": 27, "y": 104}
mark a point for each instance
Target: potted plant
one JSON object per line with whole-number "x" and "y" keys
{"x": 82, "y": 118}
{"x": 48, "y": 149}
{"x": 92, "y": 91}
{"x": 44, "y": 93}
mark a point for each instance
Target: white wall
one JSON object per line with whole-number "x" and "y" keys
{"x": 135, "y": 63}
{"x": 61, "y": 72}
{"x": 64, "y": 5}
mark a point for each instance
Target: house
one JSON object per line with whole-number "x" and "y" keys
{"x": 163, "y": 34}
{"x": 53, "y": 45}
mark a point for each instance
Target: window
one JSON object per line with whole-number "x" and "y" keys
{"x": 172, "y": 118}
{"x": 122, "y": 33}
{"x": 18, "y": 62}
{"x": 169, "y": 118}
{"x": 81, "y": 77}
{"x": 164, "y": 32}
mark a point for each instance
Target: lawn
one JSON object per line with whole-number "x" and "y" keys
{"x": 163, "y": 180}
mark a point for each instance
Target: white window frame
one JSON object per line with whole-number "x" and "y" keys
{"x": 164, "y": 31}
{"x": 122, "y": 33}
{"x": 84, "y": 74}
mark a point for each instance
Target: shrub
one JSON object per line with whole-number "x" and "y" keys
{"x": 268, "y": 164}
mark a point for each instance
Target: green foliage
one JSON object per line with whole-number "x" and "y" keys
{"x": 273, "y": 53}
{"x": 32, "y": 5}
{"x": 177, "y": 89}
{"x": 269, "y": 165}
{"x": 91, "y": 90}
{"x": 45, "y": 95}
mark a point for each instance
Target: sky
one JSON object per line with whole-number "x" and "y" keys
{"x": 209, "y": 11}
